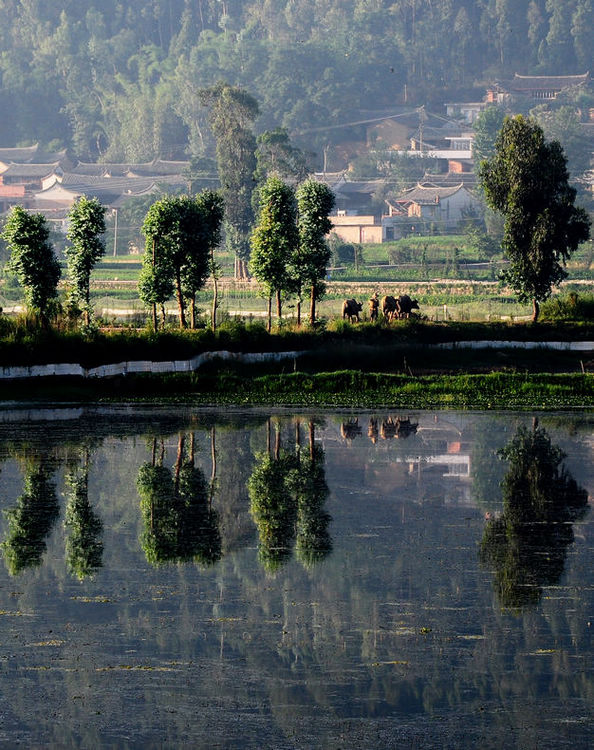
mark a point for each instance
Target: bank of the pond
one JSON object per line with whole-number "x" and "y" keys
{"x": 346, "y": 388}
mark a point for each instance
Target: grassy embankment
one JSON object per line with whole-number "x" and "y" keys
{"x": 365, "y": 366}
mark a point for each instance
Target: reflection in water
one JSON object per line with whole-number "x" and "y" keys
{"x": 84, "y": 548}
{"x": 31, "y": 520}
{"x": 288, "y": 491}
{"x": 180, "y": 524}
{"x": 527, "y": 544}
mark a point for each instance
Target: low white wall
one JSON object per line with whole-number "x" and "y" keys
{"x": 190, "y": 365}
{"x": 142, "y": 366}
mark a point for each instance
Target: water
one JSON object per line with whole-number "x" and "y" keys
{"x": 398, "y": 585}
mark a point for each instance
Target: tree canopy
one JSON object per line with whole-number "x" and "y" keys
{"x": 119, "y": 81}
{"x": 85, "y": 230}
{"x": 32, "y": 260}
{"x": 274, "y": 239}
{"x": 527, "y": 181}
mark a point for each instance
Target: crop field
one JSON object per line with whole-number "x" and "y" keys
{"x": 448, "y": 278}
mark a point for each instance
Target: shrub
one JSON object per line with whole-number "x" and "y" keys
{"x": 571, "y": 307}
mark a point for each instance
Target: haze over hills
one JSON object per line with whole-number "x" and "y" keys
{"x": 118, "y": 81}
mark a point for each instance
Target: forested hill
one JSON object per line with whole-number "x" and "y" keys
{"x": 117, "y": 80}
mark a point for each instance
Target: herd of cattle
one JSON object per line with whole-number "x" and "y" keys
{"x": 392, "y": 308}
{"x": 388, "y": 429}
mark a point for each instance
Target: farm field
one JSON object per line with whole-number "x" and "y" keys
{"x": 448, "y": 278}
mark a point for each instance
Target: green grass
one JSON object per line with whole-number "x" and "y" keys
{"x": 22, "y": 343}
{"x": 336, "y": 389}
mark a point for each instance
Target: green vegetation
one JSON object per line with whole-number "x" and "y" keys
{"x": 86, "y": 227}
{"x": 527, "y": 181}
{"x": 527, "y": 545}
{"x": 117, "y": 81}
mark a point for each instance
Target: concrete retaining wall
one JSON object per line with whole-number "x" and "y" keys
{"x": 142, "y": 366}
{"x": 190, "y": 365}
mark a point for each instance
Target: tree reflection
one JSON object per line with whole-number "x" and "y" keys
{"x": 31, "y": 520}
{"x": 180, "y": 524}
{"x": 84, "y": 548}
{"x": 287, "y": 492}
{"x": 527, "y": 544}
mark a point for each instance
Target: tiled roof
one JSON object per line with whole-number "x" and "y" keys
{"x": 30, "y": 170}
{"x": 18, "y": 154}
{"x": 448, "y": 179}
{"x": 529, "y": 83}
{"x": 428, "y": 193}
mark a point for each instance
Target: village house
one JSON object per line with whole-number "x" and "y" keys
{"x": 443, "y": 206}
{"x": 533, "y": 89}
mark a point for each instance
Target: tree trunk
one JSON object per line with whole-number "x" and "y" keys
{"x": 179, "y": 459}
{"x": 535, "y": 310}
{"x": 299, "y": 312}
{"x": 180, "y": 300}
{"x": 312, "y": 306}
{"x": 213, "y": 458}
{"x": 155, "y": 324}
{"x": 193, "y": 302}
{"x": 215, "y": 302}
{"x": 279, "y": 310}
{"x": 269, "y": 327}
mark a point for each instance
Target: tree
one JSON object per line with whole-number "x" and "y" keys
{"x": 274, "y": 240}
{"x": 486, "y": 129}
{"x": 527, "y": 181}
{"x": 312, "y": 255}
{"x": 527, "y": 544}
{"x": 33, "y": 261}
{"x": 563, "y": 125}
{"x": 87, "y": 224}
{"x": 276, "y": 155}
{"x": 232, "y": 112}
{"x": 212, "y": 207}
{"x": 176, "y": 255}
{"x": 31, "y": 519}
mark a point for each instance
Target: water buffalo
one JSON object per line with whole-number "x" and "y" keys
{"x": 351, "y": 309}
{"x": 405, "y": 305}
{"x": 389, "y": 307}
{"x": 373, "y": 307}
{"x": 397, "y": 428}
{"x": 351, "y": 429}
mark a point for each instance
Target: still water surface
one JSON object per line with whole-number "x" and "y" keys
{"x": 242, "y": 579}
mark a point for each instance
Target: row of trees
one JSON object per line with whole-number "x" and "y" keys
{"x": 34, "y": 262}
{"x": 289, "y": 250}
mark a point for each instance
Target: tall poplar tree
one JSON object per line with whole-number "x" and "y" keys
{"x": 274, "y": 240}
{"x": 87, "y": 225}
{"x": 312, "y": 254}
{"x": 232, "y": 113}
{"x": 33, "y": 261}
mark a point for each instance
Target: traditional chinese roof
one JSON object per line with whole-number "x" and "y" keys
{"x": 30, "y": 170}
{"x": 427, "y": 193}
{"x": 18, "y": 154}
{"x": 556, "y": 83}
{"x": 450, "y": 179}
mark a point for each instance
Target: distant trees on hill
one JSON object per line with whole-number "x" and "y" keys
{"x": 122, "y": 80}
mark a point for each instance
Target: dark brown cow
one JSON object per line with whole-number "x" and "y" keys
{"x": 405, "y": 305}
{"x": 351, "y": 309}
